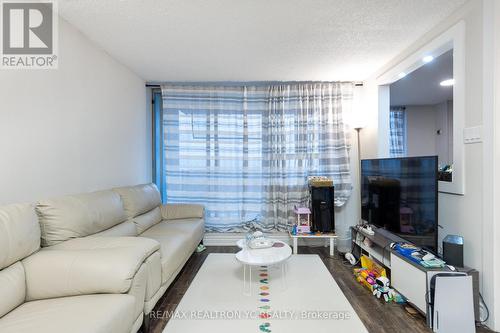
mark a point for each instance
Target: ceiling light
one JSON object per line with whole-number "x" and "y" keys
{"x": 401, "y": 75}
{"x": 447, "y": 83}
{"x": 427, "y": 59}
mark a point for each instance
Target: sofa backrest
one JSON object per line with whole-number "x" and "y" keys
{"x": 125, "y": 229}
{"x": 19, "y": 238}
{"x": 81, "y": 215}
{"x": 142, "y": 204}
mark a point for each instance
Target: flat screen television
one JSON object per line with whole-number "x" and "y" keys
{"x": 401, "y": 196}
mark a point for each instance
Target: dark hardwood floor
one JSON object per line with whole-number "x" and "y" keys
{"x": 378, "y": 316}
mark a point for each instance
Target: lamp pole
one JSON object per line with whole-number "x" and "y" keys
{"x": 358, "y": 129}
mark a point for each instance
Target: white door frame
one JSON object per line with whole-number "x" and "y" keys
{"x": 453, "y": 38}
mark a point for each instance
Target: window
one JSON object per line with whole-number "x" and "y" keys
{"x": 246, "y": 155}
{"x": 397, "y": 118}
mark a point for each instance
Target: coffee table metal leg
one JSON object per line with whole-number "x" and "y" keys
{"x": 247, "y": 290}
{"x": 283, "y": 275}
{"x": 244, "y": 279}
{"x": 295, "y": 250}
{"x": 250, "y": 280}
{"x": 332, "y": 247}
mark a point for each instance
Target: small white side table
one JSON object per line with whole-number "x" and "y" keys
{"x": 262, "y": 257}
{"x": 326, "y": 236}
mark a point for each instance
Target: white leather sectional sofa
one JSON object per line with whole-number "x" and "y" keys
{"x": 106, "y": 259}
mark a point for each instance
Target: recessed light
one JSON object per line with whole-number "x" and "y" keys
{"x": 447, "y": 83}
{"x": 401, "y": 75}
{"x": 427, "y": 59}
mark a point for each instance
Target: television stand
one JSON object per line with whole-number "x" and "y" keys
{"x": 380, "y": 244}
{"x": 407, "y": 277}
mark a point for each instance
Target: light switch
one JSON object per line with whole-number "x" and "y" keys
{"x": 473, "y": 134}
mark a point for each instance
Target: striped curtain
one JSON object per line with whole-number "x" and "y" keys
{"x": 397, "y": 146}
{"x": 304, "y": 135}
{"x": 245, "y": 151}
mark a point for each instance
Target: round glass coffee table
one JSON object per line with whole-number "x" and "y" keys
{"x": 272, "y": 256}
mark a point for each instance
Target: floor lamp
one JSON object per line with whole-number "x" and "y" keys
{"x": 358, "y": 129}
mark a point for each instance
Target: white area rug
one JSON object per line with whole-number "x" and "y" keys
{"x": 311, "y": 301}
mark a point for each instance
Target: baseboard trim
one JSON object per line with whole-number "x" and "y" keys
{"x": 230, "y": 239}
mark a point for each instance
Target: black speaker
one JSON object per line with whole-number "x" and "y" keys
{"x": 323, "y": 209}
{"x": 453, "y": 250}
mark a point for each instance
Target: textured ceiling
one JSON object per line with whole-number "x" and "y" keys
{"x": 244, "y": 40}
{"x": 421, "y": 87}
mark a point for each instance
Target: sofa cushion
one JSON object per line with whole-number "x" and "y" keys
{"x": 60, "y": 273}
{"x": 145, "y": 221}
{"x": 125, "y": 229}
{"x": 139, "y": 199}
{"x": 145, "y": 246}
{"x": 153, "y": 266}
{"x": 193, "y": 227}
{"x": 104, "y": 313}
{"x": 79, "y": 215}
{"x": 178, "y": 239}
{"x": 12, "y": 287}
{"x": 19, "y": 233}
{"x": 182, "y": 211}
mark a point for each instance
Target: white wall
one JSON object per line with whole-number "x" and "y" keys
{"x": 422, "y": 124}
{"x": 79, "y": 128}
{"x": 350, "y": 214}
{"x": 421, "y": 130}
{"x": 383, "y": 129}
{"x": 495, "y": 151}
{"x": 466, "y": 215}
{"x": 366, "y": 115}
{"x": 444, "y": 123}
{"x": 462, "y": 215}
{"x": 491, "y": 152}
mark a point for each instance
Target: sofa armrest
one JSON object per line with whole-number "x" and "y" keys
{"x": 60, "y": 273}
{"x": 182, "y": 211}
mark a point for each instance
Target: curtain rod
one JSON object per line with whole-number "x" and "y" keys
{"x": 155, "y": 85}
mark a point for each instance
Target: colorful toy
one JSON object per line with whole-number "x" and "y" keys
{"x": 304, "y": 229}
{"x": 303, "y": 219}
{"x": 398, "y": 298}
{"x": 365, "y": 277}
{"x": 382, "y": 289}
{"x": 368, "y": 273}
